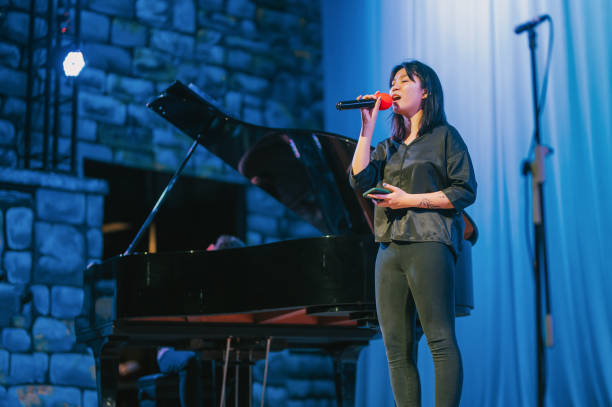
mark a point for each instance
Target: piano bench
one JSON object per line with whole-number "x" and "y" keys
{"x": 158, "y": 390}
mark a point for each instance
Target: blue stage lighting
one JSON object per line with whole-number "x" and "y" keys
{"x": 73, "y": 63}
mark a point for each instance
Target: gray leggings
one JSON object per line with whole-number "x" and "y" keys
{"x": 411, "y": 278}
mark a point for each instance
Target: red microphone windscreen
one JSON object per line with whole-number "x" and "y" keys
{"x": 385, "y": 100}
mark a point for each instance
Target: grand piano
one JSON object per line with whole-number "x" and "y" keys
{"x": 312, "y": 293}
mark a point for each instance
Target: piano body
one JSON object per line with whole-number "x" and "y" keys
{"x": 303, "y": 293}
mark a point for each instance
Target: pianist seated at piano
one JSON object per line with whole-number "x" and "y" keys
{"x": 185, "y": 362}
{"x": 427, "y": 171}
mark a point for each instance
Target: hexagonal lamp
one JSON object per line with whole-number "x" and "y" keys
{"x": 73, "y": 63}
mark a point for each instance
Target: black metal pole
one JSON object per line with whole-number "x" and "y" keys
{"x": 56, "y": 96}
{"x": 75, "y": 93}
{"x": 540, "y": 268}
{"x": 162, "y": 197}
{"x": 27, "y": 132}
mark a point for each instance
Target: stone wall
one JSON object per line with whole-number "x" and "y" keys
{"x": 259, "y": 59}
{"x": 49, "y": 232}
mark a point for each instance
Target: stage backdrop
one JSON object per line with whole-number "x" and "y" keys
{"x": 484, "y": 68}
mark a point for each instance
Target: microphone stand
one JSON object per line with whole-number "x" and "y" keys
{"x": 540, "y": 264}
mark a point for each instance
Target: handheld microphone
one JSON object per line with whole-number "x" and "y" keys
{"x": 531, "y": 23}
{"x": 385, "y": 102}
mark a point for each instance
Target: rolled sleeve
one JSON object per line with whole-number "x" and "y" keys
{"x": 370, "y": 175}
{"x": 461, "y": 191}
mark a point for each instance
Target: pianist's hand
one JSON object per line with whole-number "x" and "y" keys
{"x": 369, "y": 115}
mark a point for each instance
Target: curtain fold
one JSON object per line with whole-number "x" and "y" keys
{"x": 485, "y": 72}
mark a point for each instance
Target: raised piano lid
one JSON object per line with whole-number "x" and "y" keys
{"x": 305, "y": 170}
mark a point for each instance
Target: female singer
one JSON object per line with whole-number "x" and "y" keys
{"x": 426, "y": 167}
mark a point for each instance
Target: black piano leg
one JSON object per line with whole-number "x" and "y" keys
{"x": 345, "y": 374}
{"x": 107, "y": 370}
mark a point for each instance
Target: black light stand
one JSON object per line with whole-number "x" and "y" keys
{"x": 540, "y": 263}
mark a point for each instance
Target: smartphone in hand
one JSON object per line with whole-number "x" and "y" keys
{"x": 375, "y": 190}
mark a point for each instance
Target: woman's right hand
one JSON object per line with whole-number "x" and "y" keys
{"x": 369, "y": 115}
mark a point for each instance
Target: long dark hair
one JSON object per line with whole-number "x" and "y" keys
{"x": 433, "y": 104}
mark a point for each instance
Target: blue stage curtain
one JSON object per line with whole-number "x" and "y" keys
{"x": 485, "y": 71}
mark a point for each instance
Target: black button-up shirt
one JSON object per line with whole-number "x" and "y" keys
{"x": 435, "y": 161}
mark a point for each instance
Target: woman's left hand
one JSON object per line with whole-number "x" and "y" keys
{"x": 396, "y": 199}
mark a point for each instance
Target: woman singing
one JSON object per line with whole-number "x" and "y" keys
{"x": 427, "y": 169}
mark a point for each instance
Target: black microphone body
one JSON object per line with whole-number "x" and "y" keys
{"x": 355, "y": 104}
{"x": 531, "y": 23}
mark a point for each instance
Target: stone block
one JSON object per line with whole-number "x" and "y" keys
{"x": 9, "y": 55}
{"x": 19, "y": 227}
{"x": 166, "y": 158}
{"x": 128, "y": 33}
{"x": 102, "y": 108}
{"x": 300, "y": 229}
{"x": 16, "y": 340}
{"x": 95, "y": 243}
{"x": 141, "y": 116}
{"x": 51, "y": 335}
{"x": 95, "y": 210}
{"x": 278, "y": 115}
{"x": 12, "y": 82}
{"x": 154, "y": 65}
{"x": 166, "y": 137}
{"x": 248, "y": 28}
{"x": 173, "y": 43}
{"x": 15, "y": 27}
{"x": 275, "y": 21}
{"x": 18, "y": 266}
{"x": 253, "y": 238}
{"x": 41, "y": 360}
{"x": 61, "y": 251}
{"x": 188, "y": 73}
{"x": 119, "y": 8}
{"x": 252, "y": 116}
{"x": 43, "y": 395}
{"x": 9, "y": 303}
{"x": 23, "y": 319}
{"x": 213, "y": 76}
{"x": 91, "y": 151}
{"x": 263, "y": 203}
{"x": 60, "y": 206}
{"x": 14, "y": 108}
{"x": 66, "y": 302}
{"x": 92, "y": 79}
{"x": 233, "y": 103}
{"x": 138, "y": 89}
{"x": 275, "y": 395}
{"x": 131, "y": 137}
{"x": 239, "y": 60}
{"x": 40, "y": 294}
{"x": 266, "y": 225}
{"x": 249, "y": 83}
{"x": 153, "y": 12}
{"x": 94, "y": 26}
{"x": 109, "y": 58}
{"x": 23, "y": 368}
{"x": 210, "y": 54}
{"x": 241, "y": 8}
{"x": 212, "y": 5}
{"x": 183, "y": 18}
{"x": 73, "y": 369}
{"x": 143, "y": 159}
{"x": 90, "y": 398}
{"x": 4, "y": 367}
{"x": 8, "y": 158}
{"x": 253, "y": 101}
{"x": 86, "y": 129}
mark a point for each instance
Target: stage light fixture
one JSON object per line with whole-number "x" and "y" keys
{"x": 73, "y": 63}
